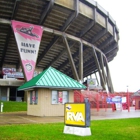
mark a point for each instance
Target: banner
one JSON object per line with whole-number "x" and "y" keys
{"x": 28, "y": 37}
{"x": 115, "y": 99}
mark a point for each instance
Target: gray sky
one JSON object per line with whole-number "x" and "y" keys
{"x": 125, "y": 68}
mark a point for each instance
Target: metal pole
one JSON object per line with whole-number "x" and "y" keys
{"x": 1, "y": 110}
{"x": 128, "y": 100}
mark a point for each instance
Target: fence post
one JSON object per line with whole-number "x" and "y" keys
{"x": 97, "y": 104}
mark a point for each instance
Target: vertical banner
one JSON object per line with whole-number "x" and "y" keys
{"x": 28, "y": 37}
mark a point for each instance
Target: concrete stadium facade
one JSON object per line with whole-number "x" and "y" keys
{"x": 79, "y": 39}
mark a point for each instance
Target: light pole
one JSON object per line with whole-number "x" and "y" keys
{"x": 128, "y": 100}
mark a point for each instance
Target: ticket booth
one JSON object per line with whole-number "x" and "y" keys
{"x": 48, "y": 92}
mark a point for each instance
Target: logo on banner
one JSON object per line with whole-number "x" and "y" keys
{"x": 27, "y": 31}
{"x": 28, "y": 67}
{"x": 28, "y": 37}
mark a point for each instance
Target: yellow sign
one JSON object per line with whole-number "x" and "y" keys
{"x": 75, "y": 114}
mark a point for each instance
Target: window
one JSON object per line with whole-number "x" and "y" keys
{"x": 60, "y": 97}
{"x": 33, "y": 97}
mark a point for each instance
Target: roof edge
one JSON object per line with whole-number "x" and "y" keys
{"x": 48, "y": 87}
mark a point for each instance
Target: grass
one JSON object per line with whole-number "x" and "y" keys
{"x": 11, "y": 106}
{"x": 121, "y": 129}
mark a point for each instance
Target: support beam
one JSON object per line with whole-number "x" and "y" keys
{"x": 16, "y": 5}
{"x": 45, "y": 13}
{"x": 111, "y": 89}
{"x": 102, "y": 67}
{"x": 101, "y": 33}
{"x": 97, "y": 78}
{"x": 59, "y": 55}
{"x": 81, "y": 61}
{"x": 66, "y": 62}
{"x": 98, "y": 66}
{"x": 8, "y": 93}
{"x": 15, "y": 9}
{"x": 87, "y": 28}
{"x": 87, "y": 73}
{"x": 47, "y": 48}
{"x": 111, "y": 55}
{"x": 6, "y": 46}
{"x": 72, "y": 17}
{"x": 90, "y": 24}
{"x": 109, "y": 50}
{"x": 86, "y": 69}
{"x": 107, "y": 42}
{"x": 14, "y": 13}
{"x": 71, "y": 59}
{"x": 18, "y": 64}
{"x": 60, "y": 33}
{"x": 63, "y": 29}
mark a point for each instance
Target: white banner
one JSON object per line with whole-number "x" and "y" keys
{"x": 28, "y": 37}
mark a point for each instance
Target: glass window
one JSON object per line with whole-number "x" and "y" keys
{"x": 33, "y": 97}
{"x": 54, "y": 97}
{"x": 65, "y": 97}
{"x": 60, "y": 97}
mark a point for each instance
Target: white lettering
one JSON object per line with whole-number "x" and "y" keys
{"x": 75, "y": 117}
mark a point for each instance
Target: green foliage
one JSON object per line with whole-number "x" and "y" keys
{"x": 122, "y": 129}
{"x": 12, "y": 106}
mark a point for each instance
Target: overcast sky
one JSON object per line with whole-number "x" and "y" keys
{"x": 125, "y": 67}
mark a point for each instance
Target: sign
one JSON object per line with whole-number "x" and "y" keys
{"x": 109, "y": 100}
{"x": 91, "y": 83}
{"x": 28, "y": 37}
{"x": 75, "y": 114}
{"x": 115, "y": 99}
{"x": 12, "y": 73}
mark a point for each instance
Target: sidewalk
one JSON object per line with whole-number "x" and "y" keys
{"x": 23, "y": 118}
{"x": 109, "y": 114}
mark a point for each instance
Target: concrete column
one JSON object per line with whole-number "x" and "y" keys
{"x": 0, "y": 93}
{"x": 81, "y": 62}
{"x": 8, "y": 93}
{"x": 73, "y": 67}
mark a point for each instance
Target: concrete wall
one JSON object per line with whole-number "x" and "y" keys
{"x": 3, "y": 93}
{"x": 45, "y": 106}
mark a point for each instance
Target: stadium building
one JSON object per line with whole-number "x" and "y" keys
{"x": 79, "y": 39}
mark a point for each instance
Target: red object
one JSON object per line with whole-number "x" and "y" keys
{"x": 128, "y": 101}
{"x": 97, "y": 100}
{"x": 60, "y": 100}
{"x": 124, "y": 106}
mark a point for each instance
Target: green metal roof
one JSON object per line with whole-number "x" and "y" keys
{"x": 52, "y": 78}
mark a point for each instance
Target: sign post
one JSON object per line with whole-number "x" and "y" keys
{"x": 1, "y": 110}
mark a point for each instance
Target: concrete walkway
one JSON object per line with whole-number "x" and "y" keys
{"x": 23, "y": 118}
